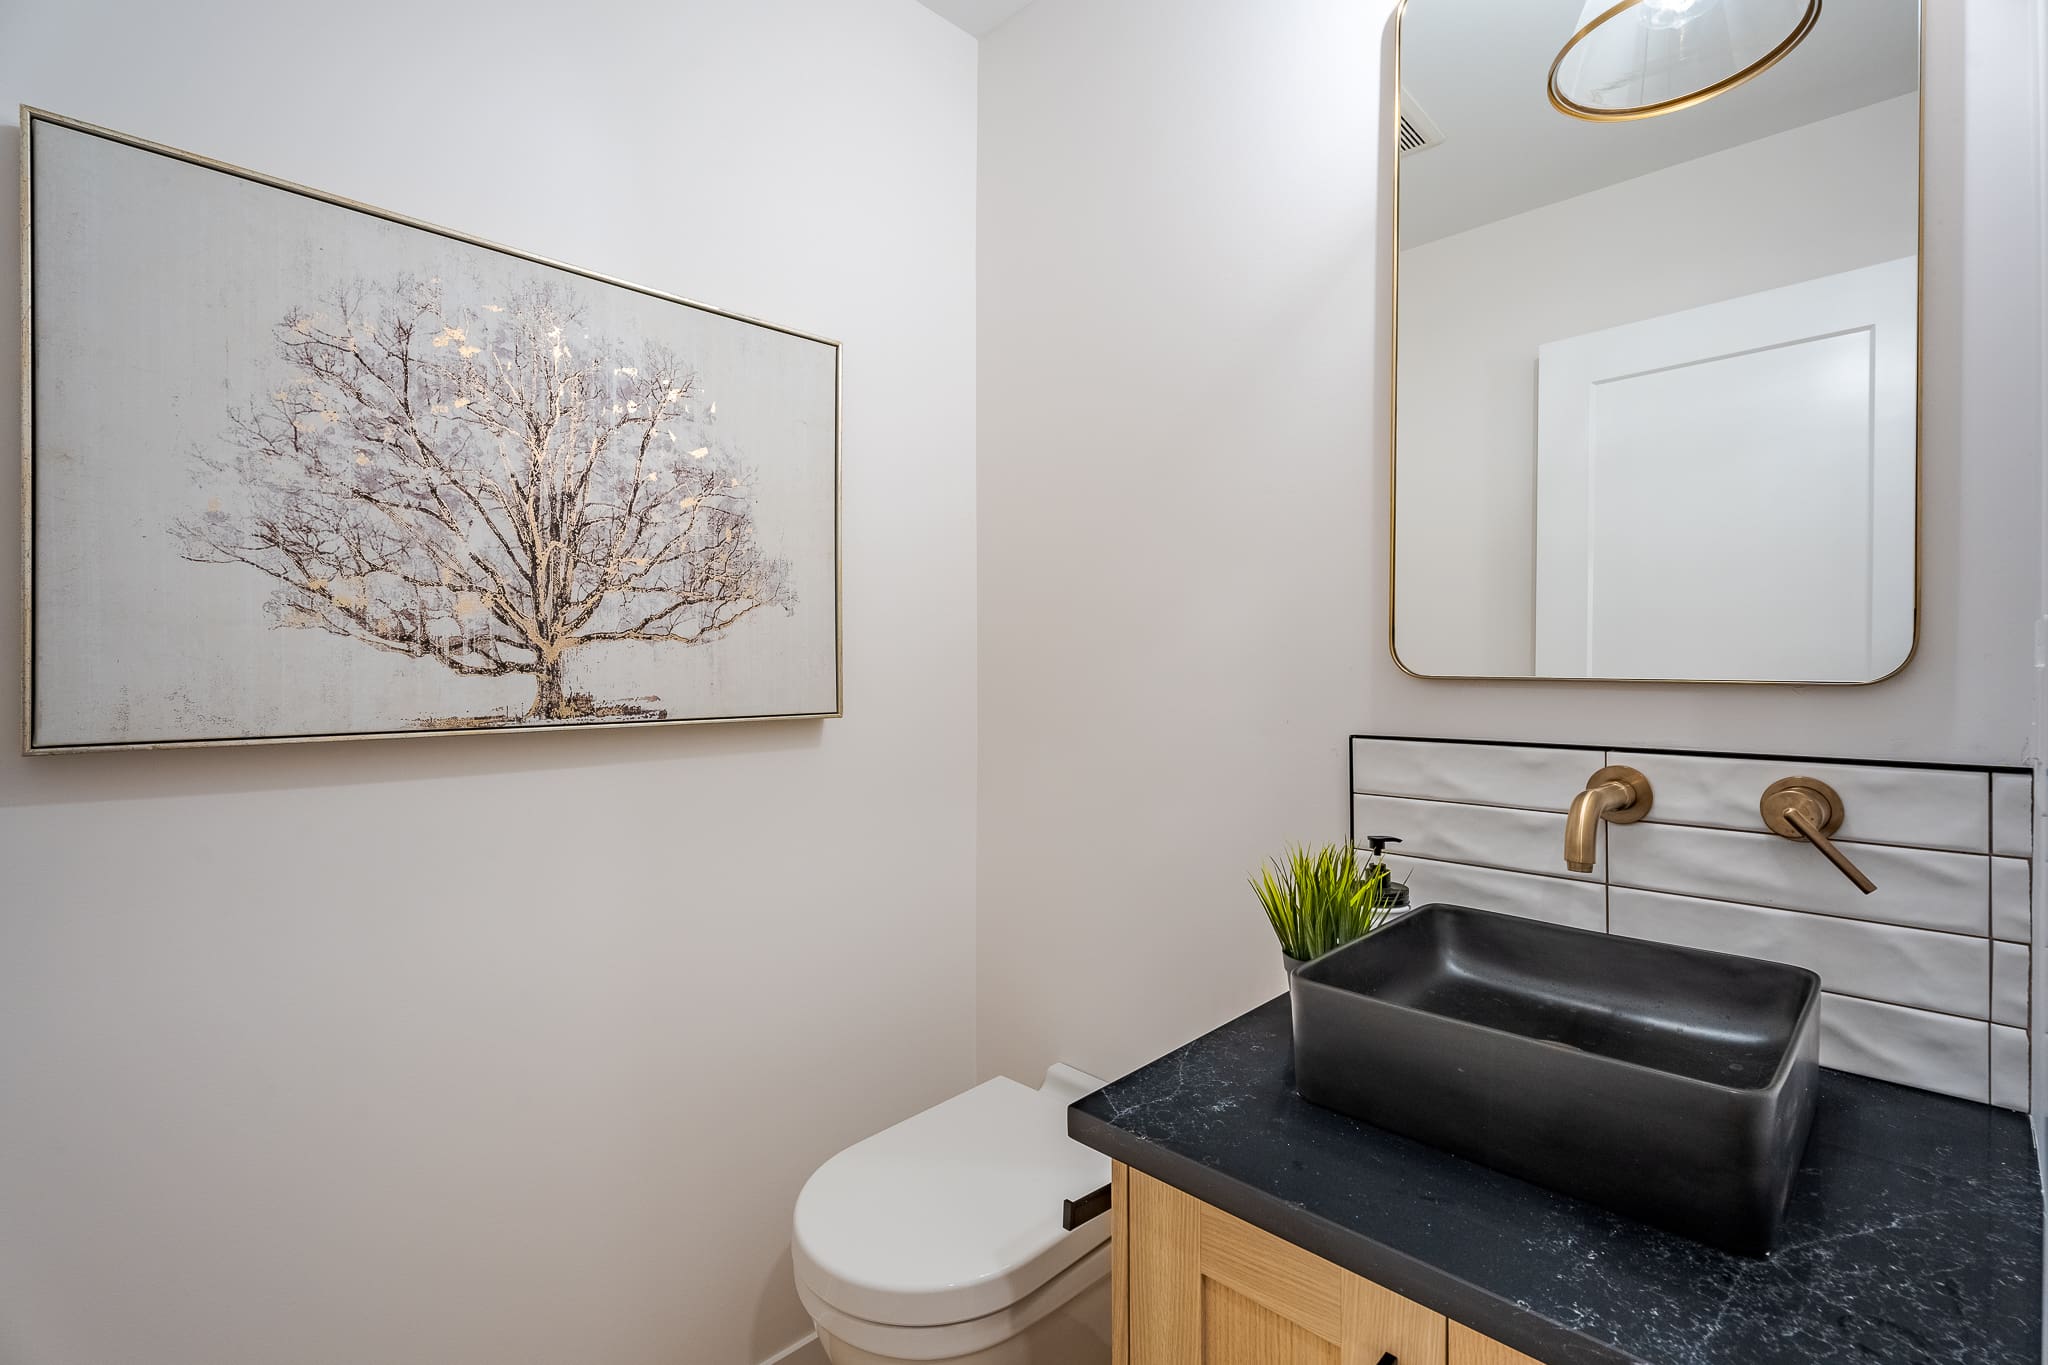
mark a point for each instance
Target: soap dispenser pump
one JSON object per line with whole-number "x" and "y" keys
{"x": 1394, "y": 895}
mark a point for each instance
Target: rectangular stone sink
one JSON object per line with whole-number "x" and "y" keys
{"x": 1669, "y": 1084}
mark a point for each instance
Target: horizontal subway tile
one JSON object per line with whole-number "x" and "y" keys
{"x": 1489, "y": 774}
{"x": 1880, "y": 961}
{"x": 1920, "y": 888}
{"x": 2012, "y": 898}
{"x": 2009, "y": 971}
{"x": 1912, "y": 1047}
{"x": 1493, "y": 836}
{"x": 1560, "y": 900}
{"x": 2012, "y": 1070}
{"x": 1919, "y": 807}
{"x": 2012, "y": 814}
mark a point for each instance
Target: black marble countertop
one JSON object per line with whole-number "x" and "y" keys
{"x": 1913, "y": 1233}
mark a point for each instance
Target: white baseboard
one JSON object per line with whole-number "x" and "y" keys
{"x": 804, "y": 1352}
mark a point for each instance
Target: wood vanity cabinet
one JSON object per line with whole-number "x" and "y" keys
{"x": 1191, "y": 1285}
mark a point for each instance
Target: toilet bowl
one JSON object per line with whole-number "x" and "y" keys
{"x": 939, "y": 1239}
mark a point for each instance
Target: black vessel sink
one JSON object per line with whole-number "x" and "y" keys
{"x": 1669, "y": 1084}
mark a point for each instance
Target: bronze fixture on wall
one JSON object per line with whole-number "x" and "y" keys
{"x": 1808, "y": 808}
{"x": 1619, "y": 794}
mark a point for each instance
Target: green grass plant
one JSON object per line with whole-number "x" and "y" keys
{"x": 1318, "y": 899}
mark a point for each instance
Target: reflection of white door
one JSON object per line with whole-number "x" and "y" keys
{"x": 1729, "y": 491}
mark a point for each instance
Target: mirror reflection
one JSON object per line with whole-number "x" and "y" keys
{"x": 1657, "y": 312}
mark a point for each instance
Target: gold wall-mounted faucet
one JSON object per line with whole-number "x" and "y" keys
{"x": 1808, "y": 808}
{"x": 1620, "y": 795}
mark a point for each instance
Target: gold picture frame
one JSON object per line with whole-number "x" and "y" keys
{"x": 740, "y": 587}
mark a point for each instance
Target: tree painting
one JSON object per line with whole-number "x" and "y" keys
{"x": 488, "y": 487}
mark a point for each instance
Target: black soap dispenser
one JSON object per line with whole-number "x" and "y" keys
{"x": 1397, "y": 898}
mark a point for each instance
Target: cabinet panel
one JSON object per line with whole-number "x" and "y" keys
{"x": 1305, "y": 1288}
{"x": 1470, "y": 1348}
{"x": 1166, "y": 1275}
{"x": 1382, "y": 1321}
{"x": 1119, "y": 1263}
{"x": 1236, "y": 1329}
{"x": 1208, "y": 1289}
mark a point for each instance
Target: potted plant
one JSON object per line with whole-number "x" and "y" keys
{"x": 1318, "y": 899}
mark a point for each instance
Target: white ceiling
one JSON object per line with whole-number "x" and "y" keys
{"x": 976, "y": 16}
{"x": 1477, "y": 69}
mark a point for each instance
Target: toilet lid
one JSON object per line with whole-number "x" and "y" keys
{"x": 950, "y": 1215}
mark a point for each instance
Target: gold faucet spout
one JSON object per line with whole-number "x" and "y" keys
{"x": 1582, "y": 826}
{"x": 1620, "y": 795}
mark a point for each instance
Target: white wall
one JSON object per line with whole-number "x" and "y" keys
{"x": 1815, "y": 200}
{"x": 517, "y": 1049}
{"x": 1183, "y": 443}
{"x": 1177, "y": 423}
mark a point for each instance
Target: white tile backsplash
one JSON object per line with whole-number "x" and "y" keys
{"x": 1925, "y": 982}
{"x": 1921, "y": 888}
{"x": 2010, "y": 967}
{"x": 1576, "y": 901}
{"x": 2011, "y": 1069}
{"x": 1913, "y": 1047}
{"x": 1946, "y": 972}
{"x": 1490, "y": 836}
{"x": 2012, "y": 900}
{"x": 2012, "y": 814}
{"x": 1485, "y": 774}
{"x": 1917, "y": 807}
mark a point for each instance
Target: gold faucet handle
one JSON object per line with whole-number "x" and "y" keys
{"x": 1808, "y": 808}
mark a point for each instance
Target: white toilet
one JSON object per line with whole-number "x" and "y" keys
{"x": 940, "y": 1239}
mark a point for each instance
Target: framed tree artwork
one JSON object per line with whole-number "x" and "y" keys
{"x": 297, "y": 469}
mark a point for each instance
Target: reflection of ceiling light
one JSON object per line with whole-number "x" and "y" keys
{"x": 1640, "y": 58}
{"x": 1672, "y": 13}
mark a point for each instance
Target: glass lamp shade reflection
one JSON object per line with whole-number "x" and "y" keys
{"x": 1641, "y": 58}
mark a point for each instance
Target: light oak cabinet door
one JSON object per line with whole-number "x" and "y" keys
{"x": 1207, "y": 1289}
{"x": 1469, "y": 1348}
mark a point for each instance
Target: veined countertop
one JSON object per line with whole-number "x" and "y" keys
{"x": 1913, "y": 1234}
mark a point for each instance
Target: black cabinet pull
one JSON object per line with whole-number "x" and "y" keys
{"x": 1388, "y": 1359}
{"x": 1093, "y": 1204}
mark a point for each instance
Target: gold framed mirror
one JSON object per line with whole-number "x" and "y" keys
{"x": 1656, "y": 368}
